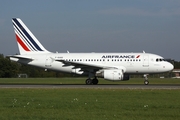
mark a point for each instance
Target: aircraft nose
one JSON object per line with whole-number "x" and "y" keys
{"x": 169, "y": 67}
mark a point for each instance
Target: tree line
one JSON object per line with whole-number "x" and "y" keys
{"x": 10, "y": 69}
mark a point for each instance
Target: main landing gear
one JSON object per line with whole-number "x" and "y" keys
{"x": 146, "y": 82}
{"x": 93, "y": 81}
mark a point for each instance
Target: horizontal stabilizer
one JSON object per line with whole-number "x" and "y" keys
{"x": 21, "y": 57}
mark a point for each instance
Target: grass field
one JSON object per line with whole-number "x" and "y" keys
{"x": 88, "y": 104}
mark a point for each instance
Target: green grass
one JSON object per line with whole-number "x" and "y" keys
{"x": 89, "y": 104}
{"x": 76, "y": 80}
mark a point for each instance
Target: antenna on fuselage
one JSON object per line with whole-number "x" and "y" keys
{"x": 144, "y": 51}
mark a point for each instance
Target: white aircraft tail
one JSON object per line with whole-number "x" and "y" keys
{"x": 27, "y": 42}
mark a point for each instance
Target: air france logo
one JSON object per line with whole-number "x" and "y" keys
{"x": 138, "y": 56}
{"x": 120, "y": 56}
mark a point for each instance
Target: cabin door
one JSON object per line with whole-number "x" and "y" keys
{"x": 145, "y": 61}
{"x": 48, "y": 62}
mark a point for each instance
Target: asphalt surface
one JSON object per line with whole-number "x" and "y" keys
{"x": 100, "y": 86}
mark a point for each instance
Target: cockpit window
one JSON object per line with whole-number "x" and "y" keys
{"x": 160, "y": 59}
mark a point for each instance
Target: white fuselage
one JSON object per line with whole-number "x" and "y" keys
{"x": 131, "y": 63}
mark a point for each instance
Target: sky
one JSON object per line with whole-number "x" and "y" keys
{"x": 152, "y": 26}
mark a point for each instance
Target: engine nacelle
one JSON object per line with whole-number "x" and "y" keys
{"x": 114, "y": 75}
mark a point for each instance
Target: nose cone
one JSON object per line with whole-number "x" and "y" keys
{"x": 169, "y": 66}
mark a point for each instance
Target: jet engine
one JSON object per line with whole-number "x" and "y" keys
{"x": 114, "y": 75}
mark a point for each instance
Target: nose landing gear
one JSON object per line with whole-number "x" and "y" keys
{"x": 146, "y": 82}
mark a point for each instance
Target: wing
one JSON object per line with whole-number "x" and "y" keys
{"x": 84, "y": 66}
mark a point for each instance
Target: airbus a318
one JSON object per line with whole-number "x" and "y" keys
{"x": 110, "y": 66}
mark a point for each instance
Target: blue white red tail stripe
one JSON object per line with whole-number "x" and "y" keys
{"x": 23, "y": 39}
{"x": 21, "y": 43}
{"x": 31, "y": 41}
{"x": 27, "y": 42}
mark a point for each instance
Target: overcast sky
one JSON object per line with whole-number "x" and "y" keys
{"x": 95, "y": 25}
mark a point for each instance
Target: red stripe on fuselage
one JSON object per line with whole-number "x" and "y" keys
{"x": 21, "y": 43}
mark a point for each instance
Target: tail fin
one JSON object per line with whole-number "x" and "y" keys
{"x": 27, "y": 42}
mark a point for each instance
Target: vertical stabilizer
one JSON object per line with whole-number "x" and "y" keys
{"x": 27, "y": 42}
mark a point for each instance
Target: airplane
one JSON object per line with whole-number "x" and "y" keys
{"x": 110, "y": 66}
